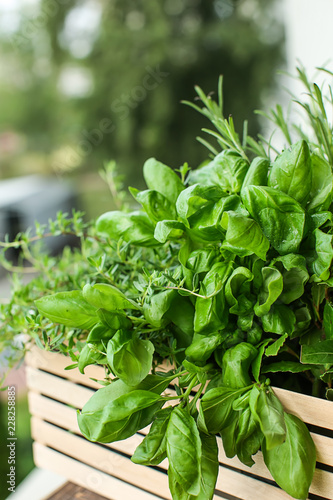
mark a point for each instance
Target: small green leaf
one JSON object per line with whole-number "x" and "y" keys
{"x": 130, "y": 357}
{"x": 291, "y": 172}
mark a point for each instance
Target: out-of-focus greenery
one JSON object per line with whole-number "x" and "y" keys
{"x": 24, "y": 461}
{"x": 91, "y": 80}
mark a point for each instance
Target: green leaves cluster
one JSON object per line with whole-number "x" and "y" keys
{"x": 225, "y": 272}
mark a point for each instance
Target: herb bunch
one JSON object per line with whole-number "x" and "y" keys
{"x": 225, "y": 272}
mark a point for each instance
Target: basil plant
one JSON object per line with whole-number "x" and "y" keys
{"x": 226, "y": 277}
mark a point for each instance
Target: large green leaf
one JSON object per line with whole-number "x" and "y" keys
{"x": 135, "y": 227}
{"x": 236, "y": 362}
{"x": 152, "y": 450}
{"x": 291, "y": 172}
{"x": 196, "y": 197}
{"x": 244, "y": 236}
{"x": 163, "y": 179}
{"x": 68, "y": 308}
{"x": 227, "y": 170}
{"x": 168, "y": 230}
{"x": 108, "y": 297}
{"x": 292, "y": 463}
{"x": 116, "y": 412}
{"x": 320, "y": 353}
{"x": 184, "y": 450}
{"x": 280, "y": 320}
{"x": 156, "y": 206}
{"x": 280, "y": 217}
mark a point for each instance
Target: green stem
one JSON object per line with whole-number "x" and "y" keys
{"x": 197, "y": 396}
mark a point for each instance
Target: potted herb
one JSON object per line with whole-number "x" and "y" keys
{"x": 223, "y": 276}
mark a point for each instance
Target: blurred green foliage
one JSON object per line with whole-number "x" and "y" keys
{"x": 92, "y": 80}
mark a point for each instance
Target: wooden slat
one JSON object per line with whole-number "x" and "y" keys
{"x": 60, "y": 389}
{"x": 101, "y": 458}
{"x": 62, "y": 415}
{"x": 311, "y": 410}
{"x": 56, "y": 363}
{"x": 86, "y": 476}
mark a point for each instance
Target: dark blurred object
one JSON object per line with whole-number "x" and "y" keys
{"x": 24, "y": 200}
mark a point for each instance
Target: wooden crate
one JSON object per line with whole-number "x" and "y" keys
{"x": 54, "y": 396}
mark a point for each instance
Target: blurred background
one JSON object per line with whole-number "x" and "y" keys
{"x": 83, "y": 82}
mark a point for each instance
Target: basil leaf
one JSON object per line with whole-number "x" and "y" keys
{"x": 322, "y": 185}
{"x": 292, "y": 463}
{"x": 249, "y": 437}
{"x": 114, "y": 319}
{"x": 285, "y": 366}
{"x": 168, "y": 230}
{"x": 135, "y": 227}
{"x": 184, "y": 450}
{"x": 156, "y": 206}
{"x": 272, "y": 286}
{"x": 68, "y": 308}
{"x": 209, "y": 467}
{"x": 257, "y": 173}
{"x": 163, "y": 179}
{"x": 320, "y": 353}
{"x": 236, "y": 362}
{"x": 244, "y": 236}
{"x": 203, "y": 346}
{"x": 328, "y": 321}
{"x": 268, "y": 411}
{"x": 130, "y": 357}
{"x": 256, "y": 363}
{"x": 291, "y": 172}
{"x": 323, "y": 254}
{"x": 89, "y": 356}
{"x": 210, "y": 312}
{"x": 280, "y": 320}
{"x": 229, "y": 435}
{"x": 237, "y": 290}
{"x": 274, "y": 348}
{"x": 117, "y": 411}
{"x": 280, "y": 217}
{"x": 108, "y": 297}
{"x": 196, "y": 197}
{"x": 227, "y": 170}
{"x": 217, "y": 411}
{"x": 295, "y": 276}
{"x": 152, "y": 450}
{"x": 100, "y": 332}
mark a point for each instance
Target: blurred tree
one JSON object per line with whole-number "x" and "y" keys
{"x": 93, "y": 80}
